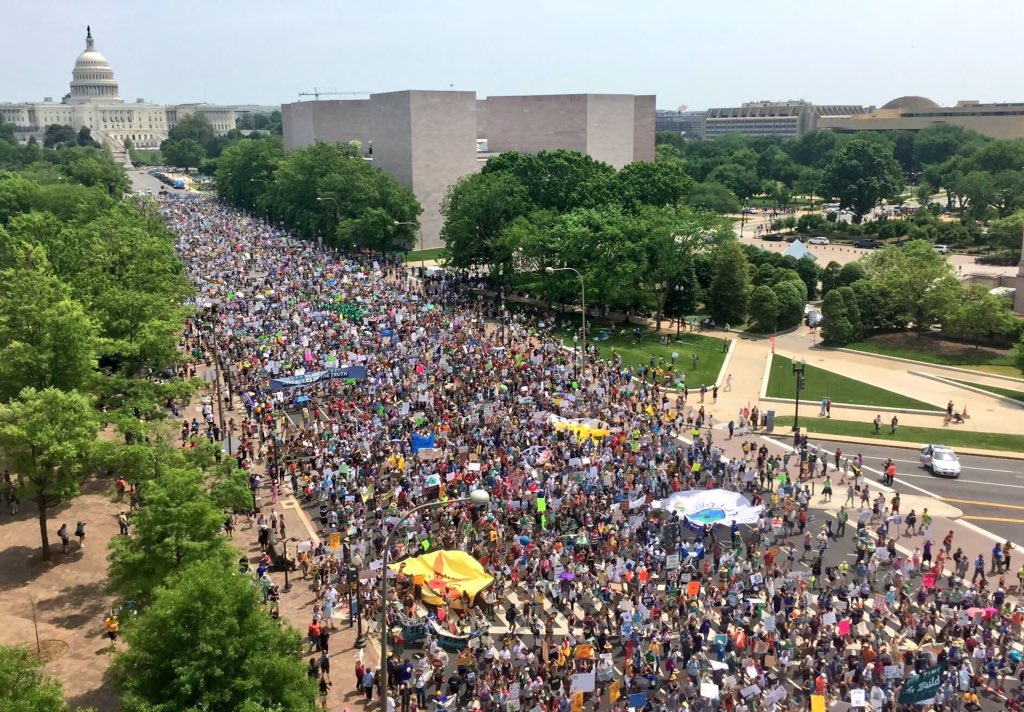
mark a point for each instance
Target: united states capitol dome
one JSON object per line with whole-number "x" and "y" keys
{"x": 92, "y": 79}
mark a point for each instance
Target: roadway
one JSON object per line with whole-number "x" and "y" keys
{"x": 989, "y": 491}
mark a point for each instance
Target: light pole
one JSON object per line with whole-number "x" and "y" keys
{"x": 337, "y": 215}
{"x": 477, "y": 497}
{"x": 418, "y": 227}
{"x": 583, "y": 301}
{"x": 743, "y": 217}
{"x": 355, "y": 605}
{"x": 798, "y": 373}
{"x": 287, "y": 583}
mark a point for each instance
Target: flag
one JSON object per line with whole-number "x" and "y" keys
{"x": 367, "y": 493}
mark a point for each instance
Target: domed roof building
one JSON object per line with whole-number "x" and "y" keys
{"x": 911, "y": 103}
{"x": 92, "y": 79}
{"x": 94, "y": 102}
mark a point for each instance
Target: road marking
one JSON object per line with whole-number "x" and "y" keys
{"x": 983, "y": 504}
{"x": 957, "y": 479}
{"x": 994, "y": 519}
{"x": 966, "y": 467}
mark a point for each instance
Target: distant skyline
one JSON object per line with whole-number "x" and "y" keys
{"x": 698, "y": 54}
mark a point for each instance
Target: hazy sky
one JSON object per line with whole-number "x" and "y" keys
{"x": 699, "y": 53}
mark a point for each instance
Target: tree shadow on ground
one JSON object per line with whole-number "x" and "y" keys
{"x": 76, "y": 606}
{"x": 20, "y": 565}
{"x": 104, "y": 698}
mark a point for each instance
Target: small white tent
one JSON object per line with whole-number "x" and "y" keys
{"x": 798, "y": 250}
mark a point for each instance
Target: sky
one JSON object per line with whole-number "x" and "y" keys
{"x": 695, "y": 53}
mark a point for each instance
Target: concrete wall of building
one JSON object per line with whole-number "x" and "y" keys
{"x": 611, "y": 128}
{"x": 443, "y": 132}
{"x": 530, "y": 124}
{"x": 305, "y": 122}
{"x": 643, "y": 127}
{"x": 1002, "y": 127}
{"x": 391, "y": 127}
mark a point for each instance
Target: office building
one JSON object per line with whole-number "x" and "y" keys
{"x": 783, "y": 119}
{"x": 913, "y": 113}
{"x": 428, "y": 140}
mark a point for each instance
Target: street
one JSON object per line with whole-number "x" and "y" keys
{"x": 990, "y": 491}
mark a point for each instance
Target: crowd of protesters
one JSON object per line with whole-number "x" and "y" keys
{"x": 598, "y": 599}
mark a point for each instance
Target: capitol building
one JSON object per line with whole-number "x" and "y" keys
{"x": 94, "y": 101}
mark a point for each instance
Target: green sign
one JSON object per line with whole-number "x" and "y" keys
{"x": 922, "y": 687}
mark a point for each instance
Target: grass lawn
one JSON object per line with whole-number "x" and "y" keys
{"x": 949, "y": 435}
{"x": 709, "y": 352}
{"x": 963, "y": 358}
{"x": 434, "y": 253}
{"x": 821, "y": 384}
{"x": 1016, "y": 395}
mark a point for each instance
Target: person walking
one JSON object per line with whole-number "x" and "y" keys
{"x": 979, "y": 569}
{"x": 64, "y": 538}
{"x": 80, "y": 533}
{"x": 122, "y": 523}
{"x": 894, "y": 423}
{"x": 842, "y": 517}
{"x": 911, "y": 521}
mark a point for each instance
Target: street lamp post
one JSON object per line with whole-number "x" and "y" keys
{"x": 337, "y": 215}
{"x": 423, "y": 260}
{"x": 477, "y": 497}
{"x": 355, "y": 606}
{"x": 287, "y": 582}
{"x": 798, "y": 373}
{"x": 743, "y": 217}
{"x": 583, "y": 301}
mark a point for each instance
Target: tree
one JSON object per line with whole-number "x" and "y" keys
{"x": 740, "y": 179}
{"x": 194, "y": 127}
{"x": 642, "y": 183}
{"x": 179, "y": 524}
{"x": 1018, "y": 353}
{"x": 56, "y": 134}
{"x": 729, "y": 291}
{"x": 938, "y": 143}
{"x": 850, "y": 273}
{"x": 860, "y": 174}
{"x": 85, "y": 137}
{"x": 476, "y": 210}
{"x": 23, "y": 685}
{"x": 1004, "y": 233}
{"x": 792, "y": 296}
{"x": 915, "y": 285}
{"x": 836, "y": 329}
{"x": 852, "y": 302}
{"x": 183, "y": 153}
{"x": 46, "y": 338}
{"x": 558, "y": 180}
{"x": 980, "y": 317}
{"x": 713, "y": 196}
{"x": 764, "y": 309}
{"x": 830, "y": 277}
{"x": 46, "y": 437}
{"x": 670, "y": 238}
{"x": 814, "y": 149}
{"x": 245, "y": 171}
{"x": 204, "y": 643}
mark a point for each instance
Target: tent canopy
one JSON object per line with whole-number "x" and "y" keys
{"x": 444, "y": 571}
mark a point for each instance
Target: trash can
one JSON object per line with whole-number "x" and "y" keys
{"x": 769, "y": 418}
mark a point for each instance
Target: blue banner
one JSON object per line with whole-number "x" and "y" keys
{"x": 355, "y": 372}
{"x": 422, "y": 441}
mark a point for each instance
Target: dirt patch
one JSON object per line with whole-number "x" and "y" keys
{"x": 937, "y": 346}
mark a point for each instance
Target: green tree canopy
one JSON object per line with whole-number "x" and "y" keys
{"x": 46, "y": 437}
{"x": 714, "y": 197}
{"x": 860, "y": 175}
{"x": 183, "y": 153}
{"x": 729, "y": 292}
{"x": 23, "y": 685}
{"x": 660, "y": 184}
{"x": 246, "y": 169}
{"x": 204, "y": 643}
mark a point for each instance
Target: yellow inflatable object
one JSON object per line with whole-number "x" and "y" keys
{"x": 446, "y": 574}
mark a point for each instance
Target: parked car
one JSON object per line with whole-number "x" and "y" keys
{"x": 941, "y": 460}
{"x": 772, "y": 237}
{"x": 813, "y": 318}
{"x": 941, "y": 249}
{"x": 819, "y": 240}
{"x": 868, "y": 244}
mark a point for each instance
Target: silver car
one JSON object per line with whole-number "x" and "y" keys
{"x": 941, "y": 460}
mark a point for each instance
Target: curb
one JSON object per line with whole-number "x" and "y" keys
{"x": 1018, "y": 381}
{"x": 980, "y": 391}
{"x": 724, "y": 371}
{"x": 875, "y": 408}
